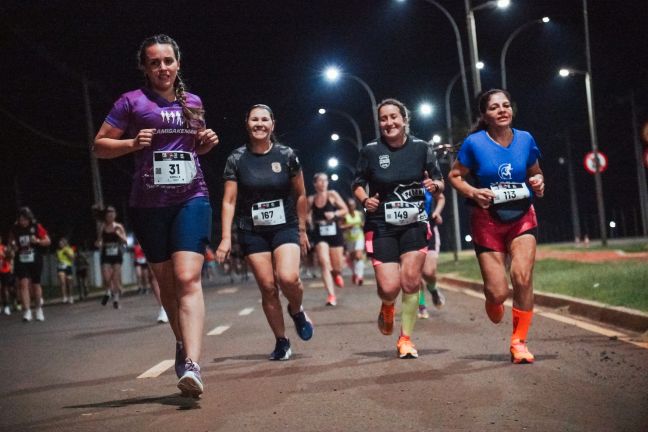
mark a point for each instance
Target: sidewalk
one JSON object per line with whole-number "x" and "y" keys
{"x": 626, "y": 318}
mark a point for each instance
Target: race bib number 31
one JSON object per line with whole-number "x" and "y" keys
{"x": 505, "y": 192}
{"x": 268, "y": 213}
{"x": 174, "y": 167}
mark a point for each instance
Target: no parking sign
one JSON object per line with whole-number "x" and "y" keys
{"x": 589, "y": 163}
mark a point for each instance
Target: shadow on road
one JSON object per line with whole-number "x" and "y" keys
{"x": 183, "y": 403}
{"x": 505, "y": 357}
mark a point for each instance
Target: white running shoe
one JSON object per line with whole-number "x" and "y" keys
{"x": 39, "y": 315}
{"x": 6, "y": 310}
{"x": 162, "y": 316}
{"x": 27, "y": 315}
{"x": 65, "y": 299}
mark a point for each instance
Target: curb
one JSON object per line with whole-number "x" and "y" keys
{"x": 629, "y": 319}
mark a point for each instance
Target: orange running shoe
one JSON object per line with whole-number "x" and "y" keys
{"x": 386, "y": 319}
{"x": 331, "y": 300}
{"x": 405, "y": 348}
{"x": 520, "y": 353}
{"x": 338, "y": 281}
{"x": 495, "y": 312}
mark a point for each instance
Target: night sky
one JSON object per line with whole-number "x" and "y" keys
{"x": 238, "y": 53}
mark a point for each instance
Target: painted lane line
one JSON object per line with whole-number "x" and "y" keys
{"x": 232, "y": 290}
{"x": 158, "y": 369}
{"x": 218, "y": 330}
{"x": 246, "y": 311}
{"x": 561, "y": 318}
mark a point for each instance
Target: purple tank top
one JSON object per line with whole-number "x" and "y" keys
{"x": 145, "y": 109}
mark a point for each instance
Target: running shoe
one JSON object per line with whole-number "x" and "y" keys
{"x": 282, "y": 350}
{"x": 190, "y": 383}
{"x": 386, "y": 319}
{"x": 520, "y": 353}
{"x": 405, "y": 348}
{"x": 339, "y": 281}
{"x": 27, "y": 315}
{"x": 331, "y": 300}
{"x": 354, "y": 279}
{"x": 438, "y": 299}
{"x": 303, "y": 324}
{"x": 65, "y": 300}
{"x": 162, "y": 316}
{"x": 116, "y": 304}
{"x": 495, "y": 312}
{"x": 39, "y": 315}
{"x": 104, "y": 299}
{"x": 71, "y": 300}
{"x": 423, "y": 312}
{"x": 179, "y": 359}
{"x": 359, "y": 281}
{"x": 6, "y": 310}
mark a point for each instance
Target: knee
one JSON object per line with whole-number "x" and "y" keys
{"x": 188, "y": 280}
{"x": 496, "y": 297}
{"x": 289, "y": 280}
{"x": 521, "y": 278}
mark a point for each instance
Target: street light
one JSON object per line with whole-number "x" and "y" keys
{"x": 472, "y": 39}
{"x": 425, "y": 109}
{"x": 508, "y": 43}
{"x": 335, "y": 137}
{"x": 453, "y": 191}
{"x": 462, "y": 65}
{"x": 332, "y": 74}
{"x": 436, "y": 139}
{"x": 347, "y": 116}
{"x": 334, "y": 177}
{"x": 597, "y": 168}
{"x": 333, "y": 162}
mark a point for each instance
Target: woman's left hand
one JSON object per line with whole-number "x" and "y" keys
{"x": 429, "y": 184}
{"x": 207, "y": 139}
{"x": 537, "y": 184}
{"x": 304, "y": 244}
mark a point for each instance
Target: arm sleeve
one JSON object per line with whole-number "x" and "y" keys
{"x": 294, "y": 166}
{"x": 231, "y": 170}
{"x": 361, "y": 169}
{"x": 119, "y": 115}
{"x": 534, "y": 152}
{"x": 432, "y": 164}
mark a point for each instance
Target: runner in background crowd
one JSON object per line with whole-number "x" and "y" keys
{"x": 6, "y": 277}
{"x": 64, "y": 260}
{"x": 111, "y": 239}
{"x": 434, "y": 205}
{"x": 355, "y": 242}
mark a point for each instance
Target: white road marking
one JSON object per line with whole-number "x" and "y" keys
{"x": 158, "y": 369}
{"x": 564, "y": 319}
{"x": 218, "y": 330}
{"x": 231, "y": 290}
{"x": 246, "y": 311}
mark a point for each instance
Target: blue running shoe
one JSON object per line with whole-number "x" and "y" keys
{"x": 282, "y": 350}
{"x": 190, "y": 384}
{"x": 179, "y": 359}
{"x": 303, "y": 324}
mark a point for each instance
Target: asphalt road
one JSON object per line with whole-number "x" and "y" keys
{"x": 78, "y": 371}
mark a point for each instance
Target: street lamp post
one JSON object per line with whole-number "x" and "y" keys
{"x": 472, "y": 37}
{"x": 453, "y": 191}
{"x": 597, "y": 168}
{"x": 356, "y": 128}
{"x": 332, "y": 74}
{"x": 576, "y": 228}
{"x": 508, "y": 43}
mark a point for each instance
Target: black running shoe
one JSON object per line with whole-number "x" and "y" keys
{"x": 303, "y": 324}
{"x": 104, "y": 299}
{"x": 282, "y": 350}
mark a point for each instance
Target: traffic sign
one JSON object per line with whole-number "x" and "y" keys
{"x": 590, "y": 166}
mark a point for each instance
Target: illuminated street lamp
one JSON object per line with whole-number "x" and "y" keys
{"x": 334, "y": 177}
{"x": 597, "y": 168}
{"x": 436, "y": 139}
{"x": 333, "y": 162}
{"x": 335, "y": 137}
{"x": 332, "y": 74}
{"x": 508, "y": 43}
{"x": 425, "y": 109}
{"x": 472, "y": 39}
{"x": 356, "y": 128}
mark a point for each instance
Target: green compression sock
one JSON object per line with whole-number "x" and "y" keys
{"x": 431, "y": 287}
{"x": 408, "y": 314}
{"x": 421, "y": 297}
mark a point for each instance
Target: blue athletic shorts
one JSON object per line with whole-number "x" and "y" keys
{"x": 255, "y": 242}
{"x": 164, "y": 230}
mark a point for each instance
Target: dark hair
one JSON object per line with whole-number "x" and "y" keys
{"x": 99, "y": 213}
{"x": 318, "y": 175}
{"x": 195, "y": 117}
{"x": 401, "y": 108}
{"x": 482, "y": 104}
{"x": 273, "y": 138}
{"x": 26, "y": 213}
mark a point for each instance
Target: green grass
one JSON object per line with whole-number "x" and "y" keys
{"x": 621, "y": 283}
{"x": 629, "y": 247}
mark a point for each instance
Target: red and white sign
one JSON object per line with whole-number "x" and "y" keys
{"x": 645, "y": 158}
{"x": 589, "y": 163}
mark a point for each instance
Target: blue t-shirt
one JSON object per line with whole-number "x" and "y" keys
{"x": 490, "y": 163}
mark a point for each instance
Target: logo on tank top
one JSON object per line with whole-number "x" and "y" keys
{"x": 276, "y": 167}
{"x": 505, "y": 171}
{"x": 384, "y": 161}
{"x": 173, "y": 117}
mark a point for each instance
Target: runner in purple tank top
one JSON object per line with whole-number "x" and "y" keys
{"x": 163, "y": 126}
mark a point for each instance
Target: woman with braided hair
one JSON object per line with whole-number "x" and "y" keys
{"x": 163, "y": 126}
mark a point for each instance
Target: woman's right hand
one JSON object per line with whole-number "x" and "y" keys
{"x": 483, "y": 197}
{"x": 372, "y": 203}
{"x": 223, "y": 250}
{"x": 143, "y": 138}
